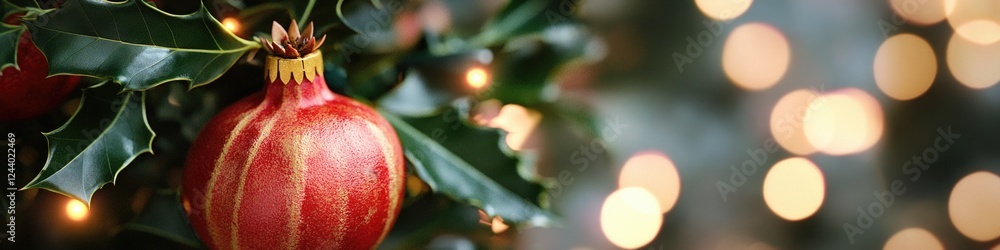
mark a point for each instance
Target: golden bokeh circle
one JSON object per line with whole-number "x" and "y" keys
{"x": 845, "y": 121}
{"x": 913, "y": 239}
{"x": 974, "y": 204}
{"x": 631, "y": 217}
{"x": 723, "y": 9}
{"x": 976, "y": 21}
{"x": 786, "y": 121}
{"x": 905, "y": 67}
{"x": 755, "y": 56}
{"x": 794, "y": 188}
{"x": 920, "y": 12}
{"x": 974, "y": 65}
{"x": 656, "y": 173}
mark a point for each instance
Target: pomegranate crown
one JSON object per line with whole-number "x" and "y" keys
{"x": 291, "y": 43}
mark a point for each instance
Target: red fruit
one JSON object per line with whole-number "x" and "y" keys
{"x": 294, "y": 166}
{"x": 25, "y": 91}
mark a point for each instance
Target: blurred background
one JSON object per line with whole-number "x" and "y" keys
{"x": 687, "y": 124}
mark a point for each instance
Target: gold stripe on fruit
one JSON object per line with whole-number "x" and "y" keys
{"x": 299, "y": 69}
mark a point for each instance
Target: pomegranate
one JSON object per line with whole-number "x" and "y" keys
{"x": 294, "y": 166}
{"x": 25, "y": 91}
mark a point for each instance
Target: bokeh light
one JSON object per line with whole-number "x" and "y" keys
{"x": 498, "y": 226}
{"x": 913, "y": 239}
{"x": 231, "y": 24}
{"x": 974, "y": 20}
{"x": 844, "y": 122}
{"x": 519, "y": 123}
{"x": 972, "y": 64}
{"x": 654, "y": 172}
{"x": 755, "y": 56}
{"x": 905, "y": 67}
{"x": 723, "y": 9}
{"x": 76, "y": 210}
{"x": 477, "y": 77}
{"x": 786, "y": 121}
{"x": 794, "y": 188}
{"x": 974, "y": 204}
{"x": 631, "y": 217}
{"x": 920, "y": 12}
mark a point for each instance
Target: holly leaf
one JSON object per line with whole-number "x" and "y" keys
{"x": 136, "y": 44}
{"x": 164, "y": 216}
{"x": 9, "y": 36}
{"x": 448, "y": 174}
{"x": 521, "y": 17}
{"x": 108, "y": 131}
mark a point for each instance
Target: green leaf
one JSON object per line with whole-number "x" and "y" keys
{"x": 9, "y": 39}
{"x": 164, "y": 216}
{"x": 448, "y": 174}
{"x": 107, "y": 132}
{"x": 10, "y": 35}
{"x": 136, "y": 44}
{"x": 521, "y": 17}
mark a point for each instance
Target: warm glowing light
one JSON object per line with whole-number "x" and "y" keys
{"x": 980, "y": 31}
{"x": 631, "y": 217}
{"x": 76, "y": 210}
{"x": 723, "y": 9}
{"x": 755, "y": 56}
{"x": 921, "y": 12}
{"x": 498, "y": 226}
{"x": 654, "y": 172}
{"x": 973, "y": 206}
{"x": 794, "y": 188}
{"x": 519, "y": 122}
{"x": 913, "y": 239}
{"x": 843, "y": 122}
{"x": 974, "y": 20}
{"x": 974, "y": 65}
{"x": 905, "y": 67}
{"x": 477, "y": 77}
{"x": 787, "y": 118}
{"x": 231, "y": 24}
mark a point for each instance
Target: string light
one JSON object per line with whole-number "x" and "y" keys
{"x": 231, "y": 24}
{"x": 477, "y": 77}
{"x": 76, "y": 210}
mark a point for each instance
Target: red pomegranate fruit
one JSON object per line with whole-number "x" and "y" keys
{"x": 26, "y": 91}
{"x": 294, "y": 166}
